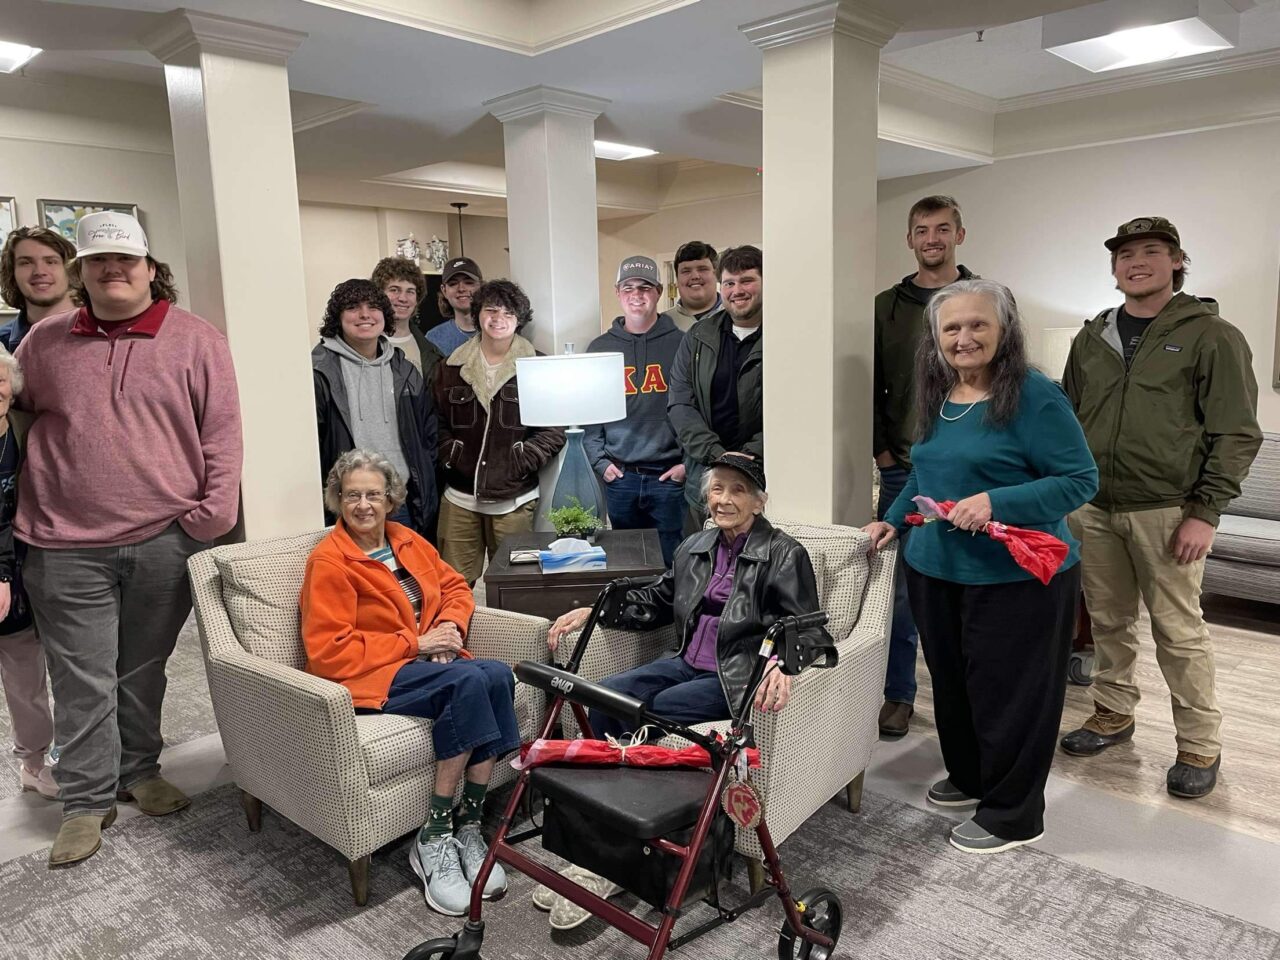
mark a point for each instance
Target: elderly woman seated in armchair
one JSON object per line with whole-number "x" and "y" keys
{"x": 725, "y": 588}
{"x": 384, "y": 616}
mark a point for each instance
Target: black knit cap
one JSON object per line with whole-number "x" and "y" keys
{"x": 350, "y": 294}
{"x": 748, "y": 467}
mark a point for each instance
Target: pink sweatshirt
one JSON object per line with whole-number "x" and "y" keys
{"x": 129, "y": 434}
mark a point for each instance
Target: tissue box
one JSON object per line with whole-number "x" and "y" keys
{"x": 568, "y": 556}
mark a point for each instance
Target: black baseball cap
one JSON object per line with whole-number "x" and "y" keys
{"x": 747, "y": 466}
{"x": 461, "y": 265}
{"x": 1144, "y": 228}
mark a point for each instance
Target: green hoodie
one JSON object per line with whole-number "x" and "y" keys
{"x": 899, "y": 325}
{"x": 1179, "y": 426}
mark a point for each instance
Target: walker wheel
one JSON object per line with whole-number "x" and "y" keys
{"x": 438, "y": 949}
{"x": 821, "y": 912}
{"x": 1080, "y": 669}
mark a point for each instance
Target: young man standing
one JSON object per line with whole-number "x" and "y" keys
{"x": 132, "y": 464}
{"x": 460, "y": 279}
{"x": 639, "y": 457}
{"x": 403, "y": 283}
{"x": 33, "y": 278}
{"x": 717, "y": 385}
{"x": 1165, "y": 391}
{"x": 934, "y": 230}
{"x": 695, "y": 266}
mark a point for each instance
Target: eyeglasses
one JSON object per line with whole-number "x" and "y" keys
{"x": 353, "y": 497}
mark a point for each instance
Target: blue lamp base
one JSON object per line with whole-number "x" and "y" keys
{"x": 577, "y": 479}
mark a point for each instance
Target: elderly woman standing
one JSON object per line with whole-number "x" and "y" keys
{"x": 369, "y": 396}
{"x": 489, "y": 459}
{"x": 384, "y": 616}
{"x": 1002, "y": 441}
{"x": 22, "y": 670}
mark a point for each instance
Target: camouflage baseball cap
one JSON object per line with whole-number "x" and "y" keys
{"x": 1144, "y": 228}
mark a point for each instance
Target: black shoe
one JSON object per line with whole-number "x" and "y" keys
{"x": 1085, "y": 743}
{"x": 895, "y": 718}
{"x": 1190, "y": 780}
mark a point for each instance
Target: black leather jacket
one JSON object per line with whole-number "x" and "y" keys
{"x": 773, "y": 579}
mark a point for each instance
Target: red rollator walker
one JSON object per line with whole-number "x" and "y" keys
{"x": 664, "y": 834}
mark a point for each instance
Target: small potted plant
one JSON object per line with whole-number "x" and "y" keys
{"x": 574, "y": 520}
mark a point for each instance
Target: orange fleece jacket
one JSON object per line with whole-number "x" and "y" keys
{"x": 357, "y": 624}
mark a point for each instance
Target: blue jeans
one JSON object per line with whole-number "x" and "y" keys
{"x": 900, "y": 677}
{"x": 669, "y": 687}
{"x": 471, "y": 701}
{"x": 640, "y": 501}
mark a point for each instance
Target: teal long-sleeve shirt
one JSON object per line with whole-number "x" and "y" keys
{"x": 1036, "y": 470}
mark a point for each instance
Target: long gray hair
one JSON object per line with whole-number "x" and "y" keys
{"x": 935, "y": 378}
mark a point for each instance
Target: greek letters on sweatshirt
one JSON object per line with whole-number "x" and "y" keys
{"x": 129, "y": 433}
{"x": 646, "y": 435}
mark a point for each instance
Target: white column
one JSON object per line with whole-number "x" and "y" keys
{"x": 821, "y": 78}
{"x": 552, "y": 225}
{"x": 233, "y": 146}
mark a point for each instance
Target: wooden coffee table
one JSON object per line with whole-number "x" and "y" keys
{"x": 524, "y": 588}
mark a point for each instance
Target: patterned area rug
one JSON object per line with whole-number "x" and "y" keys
{"x": 187, "y": 716}
{"x": 199, "y": 885}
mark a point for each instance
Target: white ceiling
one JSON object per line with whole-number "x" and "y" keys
{"x": 425, "y": 91}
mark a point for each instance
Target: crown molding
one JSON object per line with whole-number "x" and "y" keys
{"x": 184, "y": 29}
{"x": 847, "y": 17}
{"x": 639, "y": 12}
{"x": 540, "y": 99}
{"x": 340, "y": 112}
{"x": 936, "y": 89}
{"x": 444, "y": 186}
{"x": 1171, "y": 74}
{"x": 83, "y": 142}
{"x": 741, "y": 99}
{"x": 936, "y": 146}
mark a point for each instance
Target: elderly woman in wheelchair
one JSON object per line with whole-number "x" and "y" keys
{"x": 725, "y": 588}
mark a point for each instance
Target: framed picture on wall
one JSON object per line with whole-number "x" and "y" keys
{"x": 8, "y": 216}
{"x": 61, "y": 215}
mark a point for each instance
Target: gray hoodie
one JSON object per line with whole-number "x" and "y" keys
{"x": 372, "y": 400}
{"x": 646, "y": 435}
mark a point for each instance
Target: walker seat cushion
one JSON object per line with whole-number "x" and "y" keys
{"x": 637, "y": 802}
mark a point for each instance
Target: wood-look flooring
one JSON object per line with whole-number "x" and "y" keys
{"x": 1247, "y": 657}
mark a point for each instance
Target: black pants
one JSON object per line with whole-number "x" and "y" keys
{"x": 998, "y": 656}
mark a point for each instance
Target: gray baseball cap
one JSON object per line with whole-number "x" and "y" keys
{"x": 638, "y": 268}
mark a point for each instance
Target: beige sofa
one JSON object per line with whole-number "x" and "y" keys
{"x": 292, "y": 739}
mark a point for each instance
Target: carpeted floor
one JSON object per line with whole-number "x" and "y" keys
{"x": 188, "y": 714}
{"x": 199, "y": 885}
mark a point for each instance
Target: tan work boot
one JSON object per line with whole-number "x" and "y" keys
{"x": 1104, "y": 729}
{"x": 156, "y": 797}
{"x": 79, "y": 838}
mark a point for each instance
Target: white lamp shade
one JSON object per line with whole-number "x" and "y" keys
{"x": 572, "y": 389}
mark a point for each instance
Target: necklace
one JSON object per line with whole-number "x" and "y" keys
{"x": 966, "y": 410}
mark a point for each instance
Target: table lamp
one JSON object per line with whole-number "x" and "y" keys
{"x": 570, "y": 390}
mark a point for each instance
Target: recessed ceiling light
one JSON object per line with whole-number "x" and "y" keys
{"x": 620, "y": 151}
{"x": 1111, "y": 36}
{"x": 14, "y": 56}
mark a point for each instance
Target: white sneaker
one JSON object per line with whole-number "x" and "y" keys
{"x": 544, "y": 898}
{"x": 444, "y": 885}
{"x": 473, "y": 851}
{"x": 565, "y": 914}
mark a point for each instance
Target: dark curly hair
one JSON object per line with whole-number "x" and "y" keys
{"x": 399, "y": 268}
{"x": 505, "y": 294}
{"x": 347, "y": 295}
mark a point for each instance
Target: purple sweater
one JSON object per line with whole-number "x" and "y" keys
{"x": 701, "y": 654}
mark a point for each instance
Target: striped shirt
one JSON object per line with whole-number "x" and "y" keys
{"x": 408, "y": 583}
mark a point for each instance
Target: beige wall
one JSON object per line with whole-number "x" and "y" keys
{"x": 75, "y": 140}
{"x": 1037, "y": 223}
{"x": 485, "y": 239}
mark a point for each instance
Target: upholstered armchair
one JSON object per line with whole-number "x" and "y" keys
{"x": 293, "y": 740}
{"x": 821, "y": 743}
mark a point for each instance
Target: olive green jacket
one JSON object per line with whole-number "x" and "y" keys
{"x": 1179, "y": 427}
{"x": 689, "y": 401}
{"x": 899, "y": 325}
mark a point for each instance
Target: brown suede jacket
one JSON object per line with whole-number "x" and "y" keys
{"x": 484, "y": 449}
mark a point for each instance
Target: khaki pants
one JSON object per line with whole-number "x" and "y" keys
{"x": 466, "y": 537}
{"x": 1126, "y": 556}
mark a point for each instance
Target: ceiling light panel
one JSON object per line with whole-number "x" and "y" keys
{"x": 1127, "y": 33}
{"x": 620, "y": 151}
{"x": 14, "y": 56}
